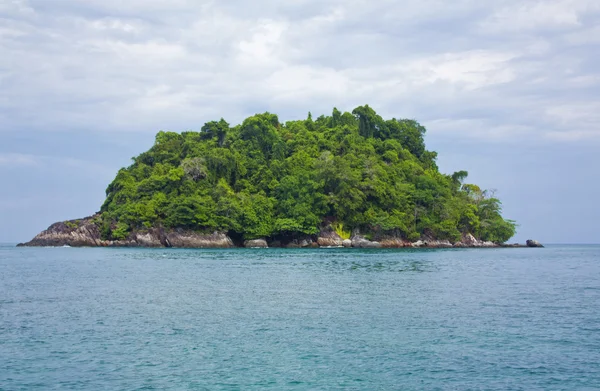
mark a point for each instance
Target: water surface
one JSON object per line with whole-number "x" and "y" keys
{"x": 335, "y": 319}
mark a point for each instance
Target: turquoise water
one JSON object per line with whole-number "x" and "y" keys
{"x": 256, "y": 319}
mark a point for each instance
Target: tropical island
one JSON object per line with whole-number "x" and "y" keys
{"x": 349, "y": 179}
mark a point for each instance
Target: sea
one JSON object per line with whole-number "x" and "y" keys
{"x": 300, "y": 319}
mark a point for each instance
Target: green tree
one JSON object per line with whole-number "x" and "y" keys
{"x": 263, "y": 178}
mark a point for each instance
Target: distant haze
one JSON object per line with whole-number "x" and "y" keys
{"x": 508, "y": 90}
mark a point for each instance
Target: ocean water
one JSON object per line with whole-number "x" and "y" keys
{"x": 273, "y": 319}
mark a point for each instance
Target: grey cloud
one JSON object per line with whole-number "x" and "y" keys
{"x": 149, "y": 65}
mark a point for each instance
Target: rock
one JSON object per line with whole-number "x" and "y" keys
{"x": 470, "y": 241}
{"x": 256, "y": 243}
{"x": 432, "y": 243}
{"x": 370, "y": 244}
{"x": 330, "y": 242}
{"x": 305, "y": 243}
{"x": 145, "y": 239}
{"x": 419, "y": 243}
{"x": 86, "y": 233}
{"x": 329, "y": 238}
{"x": 392, "y": 242}
{"x": 533, "y": 243}
{"x": 361, "y": 242}
{"x": 191, "y": 239}
{"x": 439, "y": 244}
{"x": 75, "y": 233}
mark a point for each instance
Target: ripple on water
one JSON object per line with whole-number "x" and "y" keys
{"x": 327, "y": 319}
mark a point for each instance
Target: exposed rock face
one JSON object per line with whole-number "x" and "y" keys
{"x": 391, "y": 242}
{"x": 533, "y": 243}
{"x": 419, "y": 243}
{"x": 191, "y": 239}
{"x": 75, "y": 233}
{"x": 256, "y": 243}
{"x": 438, "y": 244}
{"x": 307, "y": 243}
{"x": 329, "y": 238}
{"x": 469, "y": 240}
{"x": 330, "y": 242}
{"x": 431, "y": 243}
{"x": 360, "y": 242}
{"x": 85, "y": 233}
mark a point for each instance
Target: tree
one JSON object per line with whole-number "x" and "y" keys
{"x": 262, "y": 178}
{"x": 195, "y": 168}
{"x": 216, "y": 130}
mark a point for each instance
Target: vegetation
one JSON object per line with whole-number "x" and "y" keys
{"x": 355, "y": 171}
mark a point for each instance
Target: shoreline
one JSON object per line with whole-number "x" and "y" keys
{"x": 24, "y": 245}
{"x": 86, "y": 233}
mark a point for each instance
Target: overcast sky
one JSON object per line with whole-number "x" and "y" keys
{"x": 509, "y": 90}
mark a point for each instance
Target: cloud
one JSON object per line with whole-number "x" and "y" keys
{"x": 586, "y": 36}
{"x": 506, "y": 69}
{"x": 533, "y": 15}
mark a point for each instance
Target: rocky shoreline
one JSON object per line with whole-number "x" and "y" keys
{"x": 86, "y": 233}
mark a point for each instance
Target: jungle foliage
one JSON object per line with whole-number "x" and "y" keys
{"x": 264, "y": 178}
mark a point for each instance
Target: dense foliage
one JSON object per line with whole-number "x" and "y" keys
{"x": 264, "y": 178}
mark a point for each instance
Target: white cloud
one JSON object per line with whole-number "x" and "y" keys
{"x": 531, "y": 15}
{"x": 304, "y": 82}
{"x": 262, "y": 48}
{"x": 585, "y": 36}
{"x": 115, "y": 24}
{"x": 473, "y": 69}
{"x": 140, "y": 65}
{"x": 19, "y": 7}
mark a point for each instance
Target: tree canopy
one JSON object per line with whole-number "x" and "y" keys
{"x": 264, "y": 178}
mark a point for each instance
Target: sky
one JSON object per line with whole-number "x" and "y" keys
{"x": 509, "y": 90}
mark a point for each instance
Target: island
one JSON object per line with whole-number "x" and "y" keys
{"x": 344, "y": 180}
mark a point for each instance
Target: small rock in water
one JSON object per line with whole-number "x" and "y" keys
{"x": 533, "y": 243}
